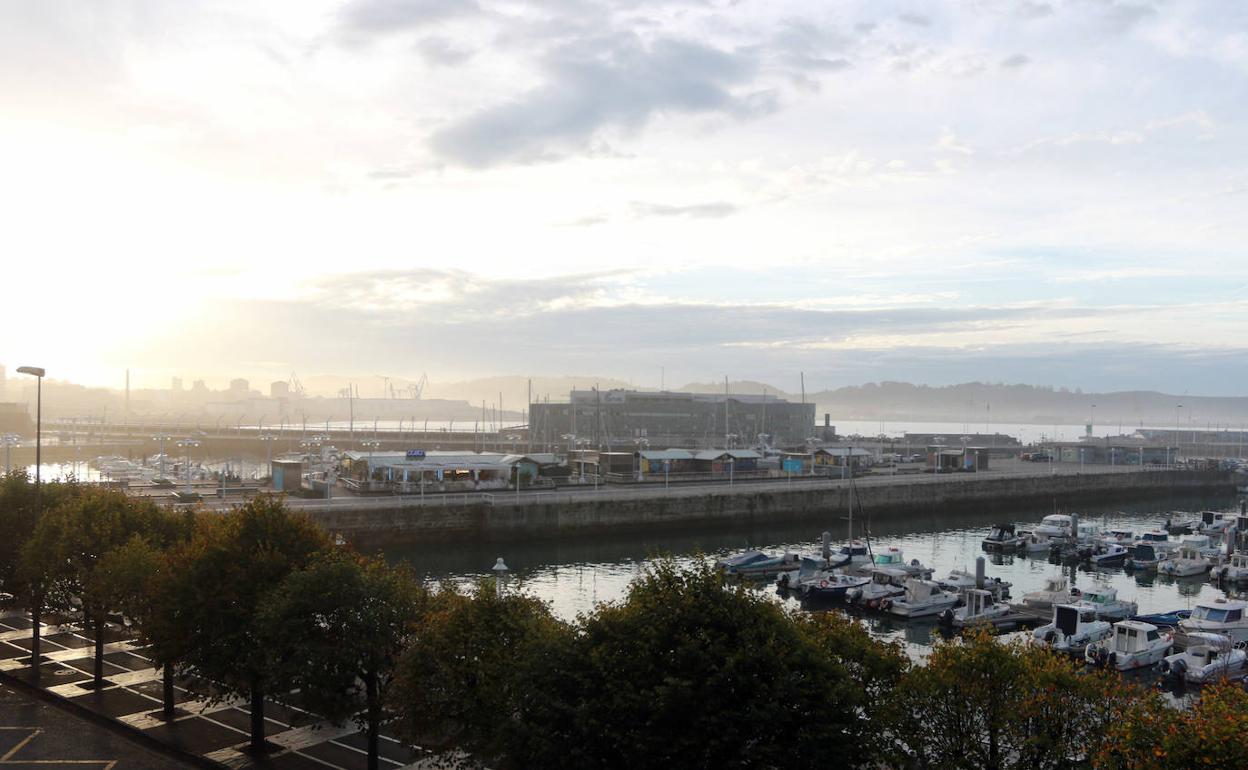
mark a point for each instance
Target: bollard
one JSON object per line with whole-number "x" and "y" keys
{"x": 980, "y": 568}
{"x": 827, "y": 545}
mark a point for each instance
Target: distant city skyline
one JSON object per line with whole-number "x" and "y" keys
{"x": 1049, "y": 192}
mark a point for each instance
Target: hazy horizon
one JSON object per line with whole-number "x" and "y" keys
{"x": 1049, "y": 192}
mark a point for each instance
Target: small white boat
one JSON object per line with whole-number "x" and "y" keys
{"x": 1030, "y": 542}
{"x": 1133, "y": 644}
{"x": 893, "y": 558}
{"x": 959, "y": 580}
{"x": 1235, "y": 570}
{"x": 1214, "y": 523}
{"x": 1056, "y": 590}
{"x": 1107, "y": 604}
{"x": 886, "y": 583}
{"x": 923, "y": 598}
{"x": 1124, "y": 537}
{"x": 833, "y": 587}
{"x": 1188, "y": 561}
{"x": 978, "y": 606}
{"x": 1208, "y": 658}
{"x": 1074, "y": 627}
{"x": 1053, "y": 525}
{"x": 1220, "y": 616}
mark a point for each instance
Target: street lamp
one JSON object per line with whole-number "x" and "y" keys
{"x": 162, "y": 438}
{"x": 188, "y": 444}
{"x": 36, "y": 610}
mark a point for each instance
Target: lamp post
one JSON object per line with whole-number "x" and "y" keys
{"x": 188, "y": 444}
{"x": 36, "y": 610}
{"x": 370, "y": 445}
{"x": 162, "y": 438}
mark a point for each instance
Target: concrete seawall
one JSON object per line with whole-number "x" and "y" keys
{"x": 508, "y": 520}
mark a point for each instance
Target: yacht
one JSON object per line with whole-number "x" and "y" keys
{"x": 1056, "y": 590}
{"x": 1074, "y": 627}
{"x": 1107, "y": 604}
{"x": 1134, "y": 644}
{"x": 1207, "y": 658}
{"x": 1220, "y": 616}
{"x": 923, "y": 598}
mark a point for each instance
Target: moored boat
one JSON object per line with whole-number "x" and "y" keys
{"x": 1133, "y": 645}
{"x": 1073, "y": 628}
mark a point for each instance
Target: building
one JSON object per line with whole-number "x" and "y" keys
{"x": 629, "y": 420}
{"x": 15, "y": 418}
{"x": 240, "y": 387}
{"x": 411, "y": 471}
{"x": 176, "y": 385}
{"x": 279, "y": 389}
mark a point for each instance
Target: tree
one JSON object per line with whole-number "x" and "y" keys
{"x": 342, "y": 622}
{"x": 217, "y": 582}
{"x": 980, "y": 703}
{"x": 68, "y": 543}
{"x": 689, "y": 672}
{"x": 1154, "y": 736}
{"x": 468, "y": 671}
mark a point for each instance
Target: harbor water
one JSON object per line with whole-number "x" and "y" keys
{"x": 574, "y": 575}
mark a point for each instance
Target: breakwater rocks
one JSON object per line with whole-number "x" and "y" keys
{"x": 506, "y": 517}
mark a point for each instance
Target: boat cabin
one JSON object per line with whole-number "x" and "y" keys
{"x": 1055, "y": 584}
{"x": 1101, "y": 596}
{"x": 1219, "y": 612}
{"x": 1189, "y": 552}
{"x": 1134, "y": 636}
{"x": 890, "y": 558}
{"x": 1054, "y": 524}
{"x": 856, "y": 549}
{"x": 1239, "y": 560}
{"x": 1145, "y": 552}
{"x": 887, "y": 576}
{"x": 1154, "y": 536}
{"x": 1120, "y": 535}
{"x": 920, "y": 590}
{"x": 1001, "y": 532}
{"x": 977, "y": 601}
{"x": 1067, "y": 617}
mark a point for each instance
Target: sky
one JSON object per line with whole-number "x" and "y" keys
{"x": 1051, "y": 192}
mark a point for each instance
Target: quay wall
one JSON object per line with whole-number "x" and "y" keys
{"x": 508, "y": 520}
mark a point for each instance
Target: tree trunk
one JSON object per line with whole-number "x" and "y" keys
{"x": 99, "y": 650}
{"x": 169, "y": 700}
{"x": 257, "y": 717}
{"x": 374, "y": 718}
{"x": 36, "y": 616}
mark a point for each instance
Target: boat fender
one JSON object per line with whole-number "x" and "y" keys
{"x": 823, "y": 584}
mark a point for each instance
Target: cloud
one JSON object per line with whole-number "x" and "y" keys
{"x": 441, "y": 51}
{"x": 916, "y": 19}
{"x": 599, "y": 85}
{"x": 715, "y": 210}
{"x": 1015, "y": 61}
{"x": 385, "y": 17}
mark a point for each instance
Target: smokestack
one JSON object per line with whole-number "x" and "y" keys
{"x": 827, "y": 545}
{"x": 980, "y": 567}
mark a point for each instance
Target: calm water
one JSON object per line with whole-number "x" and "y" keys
{"x": 574, "y": 575}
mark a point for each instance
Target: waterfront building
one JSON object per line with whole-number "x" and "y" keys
{"x": 630, "y": 420}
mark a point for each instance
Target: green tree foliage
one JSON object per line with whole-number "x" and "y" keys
{"x": 17, "y": 521}
{"x": 341, "y": 623}
{"x": 1152, "y": 735}
{"x": 70, "y": 540}
{"x": 468, "y": 671}
{"x": 217, "y": 582}
{"x": 983, "y": 704}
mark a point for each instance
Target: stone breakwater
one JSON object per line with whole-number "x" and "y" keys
{"x": 505, "y": 517}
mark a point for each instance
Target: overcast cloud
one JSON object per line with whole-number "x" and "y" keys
{"x": 1044, "y": 191}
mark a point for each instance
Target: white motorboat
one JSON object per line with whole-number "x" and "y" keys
{"x": 1030, "y": 542}
{"x": 1220, "y": 616}
{"x": 886, "y": 583}
{"x": 1002, "y": 538}
{"x": 923, "y": 598}
{"x": 1133, "y": 644}
{"x": 1056, "y": 590}
{"x": 1207, "y": 658}
{"x": 808, "y": 569}
{"x": 1235, "y": 570}
{"x": 1107, "y": 604}
{"x": 893, "y": 558}
{"x": 833, "y": 587}
{"x": 1188, "y": 561}
{"x": 978, "y": 606}
{"x": 1074, "y": 627}
{"x": 1123, "y": 537}
{"x": 1053, "y": 525}
{"x": 959, "y": 580}
{"x": 1214, "y": 522}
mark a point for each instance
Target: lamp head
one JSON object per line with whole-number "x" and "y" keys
{"x": 34, "y": 370}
